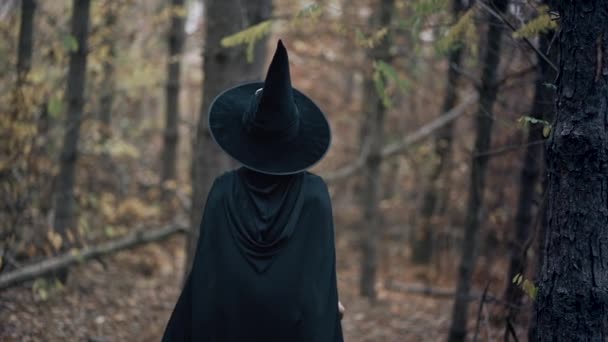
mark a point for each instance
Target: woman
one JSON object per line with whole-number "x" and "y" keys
{"x": 265, "y": 266}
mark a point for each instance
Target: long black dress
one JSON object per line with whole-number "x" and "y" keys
{"x": 265, "y": 266}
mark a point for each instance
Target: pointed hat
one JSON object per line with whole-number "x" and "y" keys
{"x": 269, "y": 126}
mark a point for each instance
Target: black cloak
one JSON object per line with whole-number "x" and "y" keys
{"x": 265, "y": 265}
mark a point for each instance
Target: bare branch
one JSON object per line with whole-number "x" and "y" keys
{"x": 66, "y": 260}
{"x": 508, "y": 148}
{"x": 513, "y": 28}
{"x": 395, "y": 148}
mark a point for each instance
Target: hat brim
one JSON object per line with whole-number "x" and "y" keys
{"x": 268, "y": 156}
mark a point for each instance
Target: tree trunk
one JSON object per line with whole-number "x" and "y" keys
{"x": 171, "y": 137}
{"x": 64, "y": 221}
{"x": 14, "y": 193}
{"x": 26, "y": 39}
{"x": 423, "y": 238}
{"x": 572, "y": 302}
{"x": 222, "y": 68}
{"x": 530, "y": 174}
{"x": 107, "y": 83}
{"x": 375, "y": 111}
{"x": 483, "y": 121}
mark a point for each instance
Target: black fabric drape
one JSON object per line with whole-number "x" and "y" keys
{"x": 265, "y": 266}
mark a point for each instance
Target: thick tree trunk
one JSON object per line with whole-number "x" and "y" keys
{"x": 572, "y": 302}
{"x": 222, "y": 68}
{"x": 65, "y": 222}
{"x": 375, "y": 112}
{"x": 423, "y": 238}
{"x": 26, "y": 39}
{"x": 106, "y": 99}
{"x": 483, "y": 121}
{"x": 171, "y": 136}
{"x": 530, "y": 175}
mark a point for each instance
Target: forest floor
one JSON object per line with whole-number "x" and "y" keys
{"x": 129, "y": 296}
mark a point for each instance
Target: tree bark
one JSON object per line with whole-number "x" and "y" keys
{"x": 222, "y": 68}
{"x": 483, "y": 123}
{"x": 572, "y": 301}
{"x": 530, "y": 175}
{"x": 26, "y": 39}
{"x": 422, "y": 243}
{"x": 375, "y": 111}
{"x": 108, "y": 83}
{"x": 64, "y": 221}
{"x": 176, "y": 39}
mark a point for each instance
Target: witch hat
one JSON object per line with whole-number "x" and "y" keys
{"x": 269, "y": 126}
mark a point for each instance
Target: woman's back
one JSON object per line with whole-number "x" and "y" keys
{"x": 264, "y": 269}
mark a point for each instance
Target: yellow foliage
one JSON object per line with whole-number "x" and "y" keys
{"x": 526, "y": 285}
{"x": 17, "y": 125}
{"x": 179, "y": 11}
{"x": 170, "y": 184}
{"x": 306, "y": 15}
{"x": 248, "y": 36}
{"x": 107, "y": 206}
{"x": 461, "y": 33}
{"x": 371, "y": 40}
{"x": 251, "y": 35}
{"x": 166, "y": 13}
{"x": 427, "y": 7}
{"x": 542, "y": 23}
{"x": 133, "y": 209}
{"x": 44, "y": 289}
{"x": 115, "y": 147}
{"x": 54, "y": 239}
{"x": 134, "y": 77}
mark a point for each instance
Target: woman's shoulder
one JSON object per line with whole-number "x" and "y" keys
{"x": 314, "y": 179}
{"x": 221, "y": 185}
{"x": 316, "y": 189}
{"x": 225, "y": 177}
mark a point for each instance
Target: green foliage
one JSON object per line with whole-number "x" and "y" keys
{"x": 384, "y": 73}
{"x": 526, "y": 285}
{"x": 550, "y": 85}
{"x": 530, "y": 120}
{"x": 253, "y": 34}
{"x": 371, "y": 40}
{"x": 44, "y": 289}
{"x": 423, "y": 8}
{"x": 110, "y": 231}
{"x": 461, "y": 34}
{"x": 70, "y": 43}
{"x": 309, "y": 13}
{"x": 75, "y": 252}
{"x": 248, "y": 36}
{"x": 546, "y": 131}
{"x": 55, "y": 106}
{"x": 541, "y": 24}
{"x": 420, "y": 12}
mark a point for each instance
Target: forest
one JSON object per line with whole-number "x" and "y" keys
{"x": 468, "y": 169}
